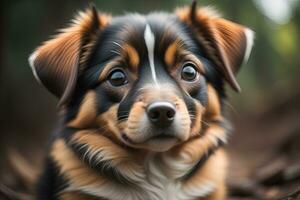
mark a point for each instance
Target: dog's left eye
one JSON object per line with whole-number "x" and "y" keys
{"x": 117, "y": 78}
{"x": 189, "y": 72}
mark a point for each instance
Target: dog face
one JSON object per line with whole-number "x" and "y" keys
{"x": 151, "y": 75}
{"x": 143, "y": 81}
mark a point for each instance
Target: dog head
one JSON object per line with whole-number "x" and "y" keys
{"x": 147, "y": 82}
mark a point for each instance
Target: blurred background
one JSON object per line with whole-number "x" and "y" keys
{"x": 265, "y": 147}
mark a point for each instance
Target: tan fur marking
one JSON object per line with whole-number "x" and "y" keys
{"x": 179, "y": 58}
{"x": 213, "y": 110}
{"x": 198, "y": 147}
{"x": 106, "y": 69}
{"x": 87, "y": 112}
{"x": 171, "y": 53}
{"x": 213, "y": 171}
{"x": 113, "y": 152}
{"x": 122, "y": 159}
{"x": 132, "y": 55}
{"x": 188, "y": 56}
{"x": 109, "y": 124}
{"x": 195, "y": 130}
{"x": 185, "y": 120}
{"x": 73, "y": 168}
{"x": 136, "y": 113}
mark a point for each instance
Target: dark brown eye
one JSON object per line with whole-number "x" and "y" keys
{"x": 189, "y": 72}
{"x": 117, "y": 78}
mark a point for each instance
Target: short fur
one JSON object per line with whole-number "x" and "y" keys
{"x": 106, "y": 148}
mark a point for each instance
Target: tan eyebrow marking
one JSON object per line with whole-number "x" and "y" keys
{"x": 119, "y": 62}
{"x": 132, "y": 55}
{"x": 175, "y": 56}
{"x": 171, "y": 53}
{"x": 188, "y": 56}
{"x": 213, "y": 107}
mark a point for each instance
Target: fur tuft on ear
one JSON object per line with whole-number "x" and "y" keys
{"x": 57, "y": 63}
{"x": 249, "y": 44}
{"x": 225, "y": 43}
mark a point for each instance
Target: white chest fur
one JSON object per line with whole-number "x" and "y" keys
{"x": 157, "y": 182}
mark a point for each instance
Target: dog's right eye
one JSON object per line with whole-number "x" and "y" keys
{"x": 117, "y": 78}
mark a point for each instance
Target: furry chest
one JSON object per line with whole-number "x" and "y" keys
{"x": 159, "y": 183}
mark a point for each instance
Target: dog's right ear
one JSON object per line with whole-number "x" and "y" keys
{"x": 57, "y": 62}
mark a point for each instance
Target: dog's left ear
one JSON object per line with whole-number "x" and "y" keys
{"x": 58, "y": 62}
{"x": 225, "y": 43}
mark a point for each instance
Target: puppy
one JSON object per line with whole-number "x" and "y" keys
{"x": 142, "y": 101}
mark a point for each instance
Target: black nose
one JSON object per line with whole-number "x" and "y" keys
{"x": 161, "y": 113}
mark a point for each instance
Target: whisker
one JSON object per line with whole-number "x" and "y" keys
{"x": 114, "y": 42}
{"x": 116, "y": 52}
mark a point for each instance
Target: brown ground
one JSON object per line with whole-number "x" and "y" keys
{"x": 265, "y": 152}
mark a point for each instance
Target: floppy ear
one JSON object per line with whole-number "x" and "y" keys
{"x": 57, "y": 63}
{"x": 225, "y": 43}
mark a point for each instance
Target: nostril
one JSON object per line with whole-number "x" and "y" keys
{"x": 154, "y": 115}
{"x": 170, "y": 114}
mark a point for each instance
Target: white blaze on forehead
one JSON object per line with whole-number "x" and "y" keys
{"x": 150, "y": 43}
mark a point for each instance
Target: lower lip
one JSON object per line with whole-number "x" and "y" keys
{"x": 160, "y": 137}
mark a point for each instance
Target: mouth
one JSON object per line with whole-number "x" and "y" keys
{"x": 161, "y": 136}
{"x": 160, "y": 142}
